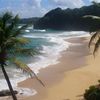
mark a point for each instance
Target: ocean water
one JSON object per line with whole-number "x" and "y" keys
{"x": 50, "y": 44}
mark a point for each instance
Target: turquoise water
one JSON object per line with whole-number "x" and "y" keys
{"x": 50, "y": 43}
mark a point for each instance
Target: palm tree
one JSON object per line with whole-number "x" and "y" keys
{"x": 95, "y": 41}
{"x": 95, "y": 38}
{"x": 11, "y": 45}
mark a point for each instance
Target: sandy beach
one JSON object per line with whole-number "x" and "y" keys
{"x": 76, "y": 71}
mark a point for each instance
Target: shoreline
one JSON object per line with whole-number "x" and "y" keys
{"x": 54, "y": 74}
{"x": 76, "y": 71}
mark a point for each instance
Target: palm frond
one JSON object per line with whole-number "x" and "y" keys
{"x": 25, "y": 68}
{"x": 21, "y": 40}
{"x": 5, "y": 18}
{"x": 10, "y": 28}
{"x": 22, "y": 66}
{"x": 26, "y": 51}
{"x": 16, "y": 19}
{"x": 1, "y": 36}
{"x": 94, "y": 36}
{"x": 39, "y": 80}
{"x": 19, "y": 31}
{"x": 1, "y": 30}
{"x": 14, "y": 41}
{"x": 1, "y": 23}
{"x": 96, "y": 46}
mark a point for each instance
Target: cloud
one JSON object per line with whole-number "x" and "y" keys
{"x": 30, "y": 8}
{"x": 25, "y": 8}
{"x": 95, "y": 1}
{"x": 68, "y": 3}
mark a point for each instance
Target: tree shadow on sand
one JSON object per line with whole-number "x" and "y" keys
{"x": 81, "y": 97}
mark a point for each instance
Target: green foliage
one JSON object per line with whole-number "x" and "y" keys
{"x": 95, "y": 3}
{"x": 95, "y": 41}
{"x": 12, "y": 44}
{"x": 93, "y": 93}
{"x": 22, "y": 65}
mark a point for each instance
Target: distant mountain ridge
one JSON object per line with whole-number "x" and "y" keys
{"x": 32, "y": 20}
{"x": 70, "y": 19}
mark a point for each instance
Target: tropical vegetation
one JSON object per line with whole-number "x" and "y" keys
{"x": 70, "y": 19}
{"x": 12, "y": 45}
{"x": 93, "y": 93}
{"x": 95, "y": 36}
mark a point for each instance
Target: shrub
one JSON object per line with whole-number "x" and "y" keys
{"x": 93, "y": 93}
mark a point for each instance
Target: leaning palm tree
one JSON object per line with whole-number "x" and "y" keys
{"x": 95, "y": 41}
{"x": 11, "y": 45}
{"x": 95, "y": 38}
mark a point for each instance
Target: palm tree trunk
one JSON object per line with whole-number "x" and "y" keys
{"x": 8, "y": 82}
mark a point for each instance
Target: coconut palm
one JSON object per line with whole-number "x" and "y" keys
{"x": 95, "y": 41}
{"x": 95, "y": 38}
{"x": 11, "y": 45}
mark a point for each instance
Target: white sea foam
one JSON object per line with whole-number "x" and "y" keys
{"x": 19, "y": 26}
{"x": 26, "y": 91}
{"x": 32, "y": 36}
{"x": 27, "y": 30}
{"x": 40, "y": 30}
{"x": 14, "y": 81}
{"x": 21, "y": 91}
{"x": 52, "y": 53}
{"x": 30, "y": 27}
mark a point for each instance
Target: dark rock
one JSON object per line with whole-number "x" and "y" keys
{"x": 7, "y": 92}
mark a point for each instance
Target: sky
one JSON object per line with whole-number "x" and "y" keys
{"x": 37, "y": 8}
